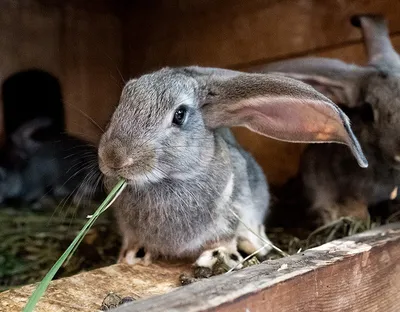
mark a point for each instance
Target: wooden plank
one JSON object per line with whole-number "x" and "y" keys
{"x": 331, "y": 277}
{"x": 98, "y": 6}
{"x": 232, "y": 35}
{"x": 358, "y": 274}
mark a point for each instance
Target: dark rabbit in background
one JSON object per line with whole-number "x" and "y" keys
{"x": 169, "y": 139}
{"x": 62, "y": 167}
{"x": 334, "y": 184}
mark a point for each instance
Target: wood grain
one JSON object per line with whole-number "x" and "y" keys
{"x": 86, "y": 291}
{"x": 243, "y": 32}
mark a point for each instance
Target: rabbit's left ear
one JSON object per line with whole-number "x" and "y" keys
{"x": 275, "y": 106}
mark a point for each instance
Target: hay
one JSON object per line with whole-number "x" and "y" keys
{"x": 340, "y": 228}
{"x": 30, "y": 243}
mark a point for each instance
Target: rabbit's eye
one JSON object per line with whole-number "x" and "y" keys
{"x": 180, "y": 116}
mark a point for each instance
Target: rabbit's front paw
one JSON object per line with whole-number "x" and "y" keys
{"x": 135, "y": 255}
{"x": 217, "y": 261}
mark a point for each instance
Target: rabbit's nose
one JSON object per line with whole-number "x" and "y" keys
{"x": 114, "y": 156}
{"x": 121, "y": 163}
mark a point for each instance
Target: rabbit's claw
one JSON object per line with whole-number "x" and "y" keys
{"x": 218, "y": 260}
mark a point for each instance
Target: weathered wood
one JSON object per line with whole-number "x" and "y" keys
{"x": 86, "y": 291}
{"x": 359, "y": 273}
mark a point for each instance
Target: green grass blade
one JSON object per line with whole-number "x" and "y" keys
{"x": 41, "y": 288}
{"x": 97, "y": 214}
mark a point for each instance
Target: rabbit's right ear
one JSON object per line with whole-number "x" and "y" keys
{"x": 333, "y": 78}
{"x": 275, "y": 106}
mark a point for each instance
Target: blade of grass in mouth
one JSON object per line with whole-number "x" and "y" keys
{"x": 41, "y": 288}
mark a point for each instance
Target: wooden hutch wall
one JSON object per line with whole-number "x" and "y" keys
{"x": 89, "y": 45}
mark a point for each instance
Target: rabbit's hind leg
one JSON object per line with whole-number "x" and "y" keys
{"x": 218, "y": 260}
{"x": 252, "y": 238}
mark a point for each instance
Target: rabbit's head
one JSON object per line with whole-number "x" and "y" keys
{"x": 164, "y": 125}
{"x": 370, "y": 95}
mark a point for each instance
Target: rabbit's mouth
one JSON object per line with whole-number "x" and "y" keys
{"x": 132, "y": 177}
{"x": 145, "y": 178}
{"x": 137, "y": 179}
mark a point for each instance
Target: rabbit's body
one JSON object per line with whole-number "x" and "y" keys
{"x": 178, "y": 218}
{"x": 330, "y": 190}
{"x": 188, "y": 180}
{"x": 58, "y": 167}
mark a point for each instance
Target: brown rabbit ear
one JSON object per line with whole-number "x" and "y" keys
{"x": 277, "y": 107}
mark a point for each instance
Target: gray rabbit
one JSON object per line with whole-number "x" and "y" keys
{"x": 57, "y": 167}
{"x": 370, "y": 96}
{"x": 169, "y": 139}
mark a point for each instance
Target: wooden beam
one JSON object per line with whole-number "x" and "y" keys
{"x": 359, "y": 273}
{"x": 237, "y": 33}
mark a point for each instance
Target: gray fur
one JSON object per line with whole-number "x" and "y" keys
{"x": 61, "y": 167}
{"x": 370, "y": 96}
{"x": 178, "y": 199}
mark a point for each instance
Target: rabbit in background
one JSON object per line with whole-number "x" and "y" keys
{"x": 169, "y": 139}
{"x": 370, "y": 96}
{"x": 61, "y": 167}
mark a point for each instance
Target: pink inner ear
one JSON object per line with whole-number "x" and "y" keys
{"x": 291, "y": 119}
